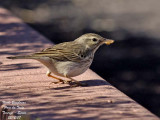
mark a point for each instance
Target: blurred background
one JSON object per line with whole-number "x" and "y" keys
{"x": 132, "y": 63}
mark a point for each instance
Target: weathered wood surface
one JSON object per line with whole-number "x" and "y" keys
{"x": 25, "y": 81}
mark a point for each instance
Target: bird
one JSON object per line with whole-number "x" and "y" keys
{"x": 69, "y": 59}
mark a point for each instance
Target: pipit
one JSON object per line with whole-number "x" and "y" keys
{"x": 69, "y": 59}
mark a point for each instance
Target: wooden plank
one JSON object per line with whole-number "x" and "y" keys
{"x": 24, "y": 83}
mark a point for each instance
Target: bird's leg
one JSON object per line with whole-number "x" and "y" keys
{"x": 60, "y": 80}
{"x": 77, "y": 83}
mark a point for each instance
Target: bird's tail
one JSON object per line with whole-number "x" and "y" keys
{"x": 21, "y": 57}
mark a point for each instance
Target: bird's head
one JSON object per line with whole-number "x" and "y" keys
{"x": 93, "y": 41}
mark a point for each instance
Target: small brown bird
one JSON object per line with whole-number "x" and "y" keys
{"x": 69, "y": 59}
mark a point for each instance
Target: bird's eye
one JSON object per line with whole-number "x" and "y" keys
{"x": 94, "y": 40}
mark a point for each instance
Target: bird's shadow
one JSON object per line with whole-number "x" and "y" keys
{"x": 89, "y": 83}
{"x": 94, "y": 82}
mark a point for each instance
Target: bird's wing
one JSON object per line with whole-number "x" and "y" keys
{"x": 67, "y": 51}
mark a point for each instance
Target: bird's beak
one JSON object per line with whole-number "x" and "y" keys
{"x": 108, "y": 41}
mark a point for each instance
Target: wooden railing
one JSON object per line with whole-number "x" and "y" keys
{"x": 24, "y": 85}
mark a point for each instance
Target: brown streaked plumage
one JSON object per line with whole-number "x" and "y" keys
{"x": 69, "y": 59}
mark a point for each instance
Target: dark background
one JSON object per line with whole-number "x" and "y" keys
{"x": 132, "y": 63}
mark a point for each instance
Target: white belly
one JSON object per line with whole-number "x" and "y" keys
{"x": 65, "y": 68}
{"x": 71, "y": 69}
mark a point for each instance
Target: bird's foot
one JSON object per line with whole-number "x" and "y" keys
{"x": 71, "y": 82}
{"x": 61, "y": 82}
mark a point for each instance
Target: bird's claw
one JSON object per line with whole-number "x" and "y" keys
{"x": 60, "y": 81}
{"x": 71, "y": 83}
